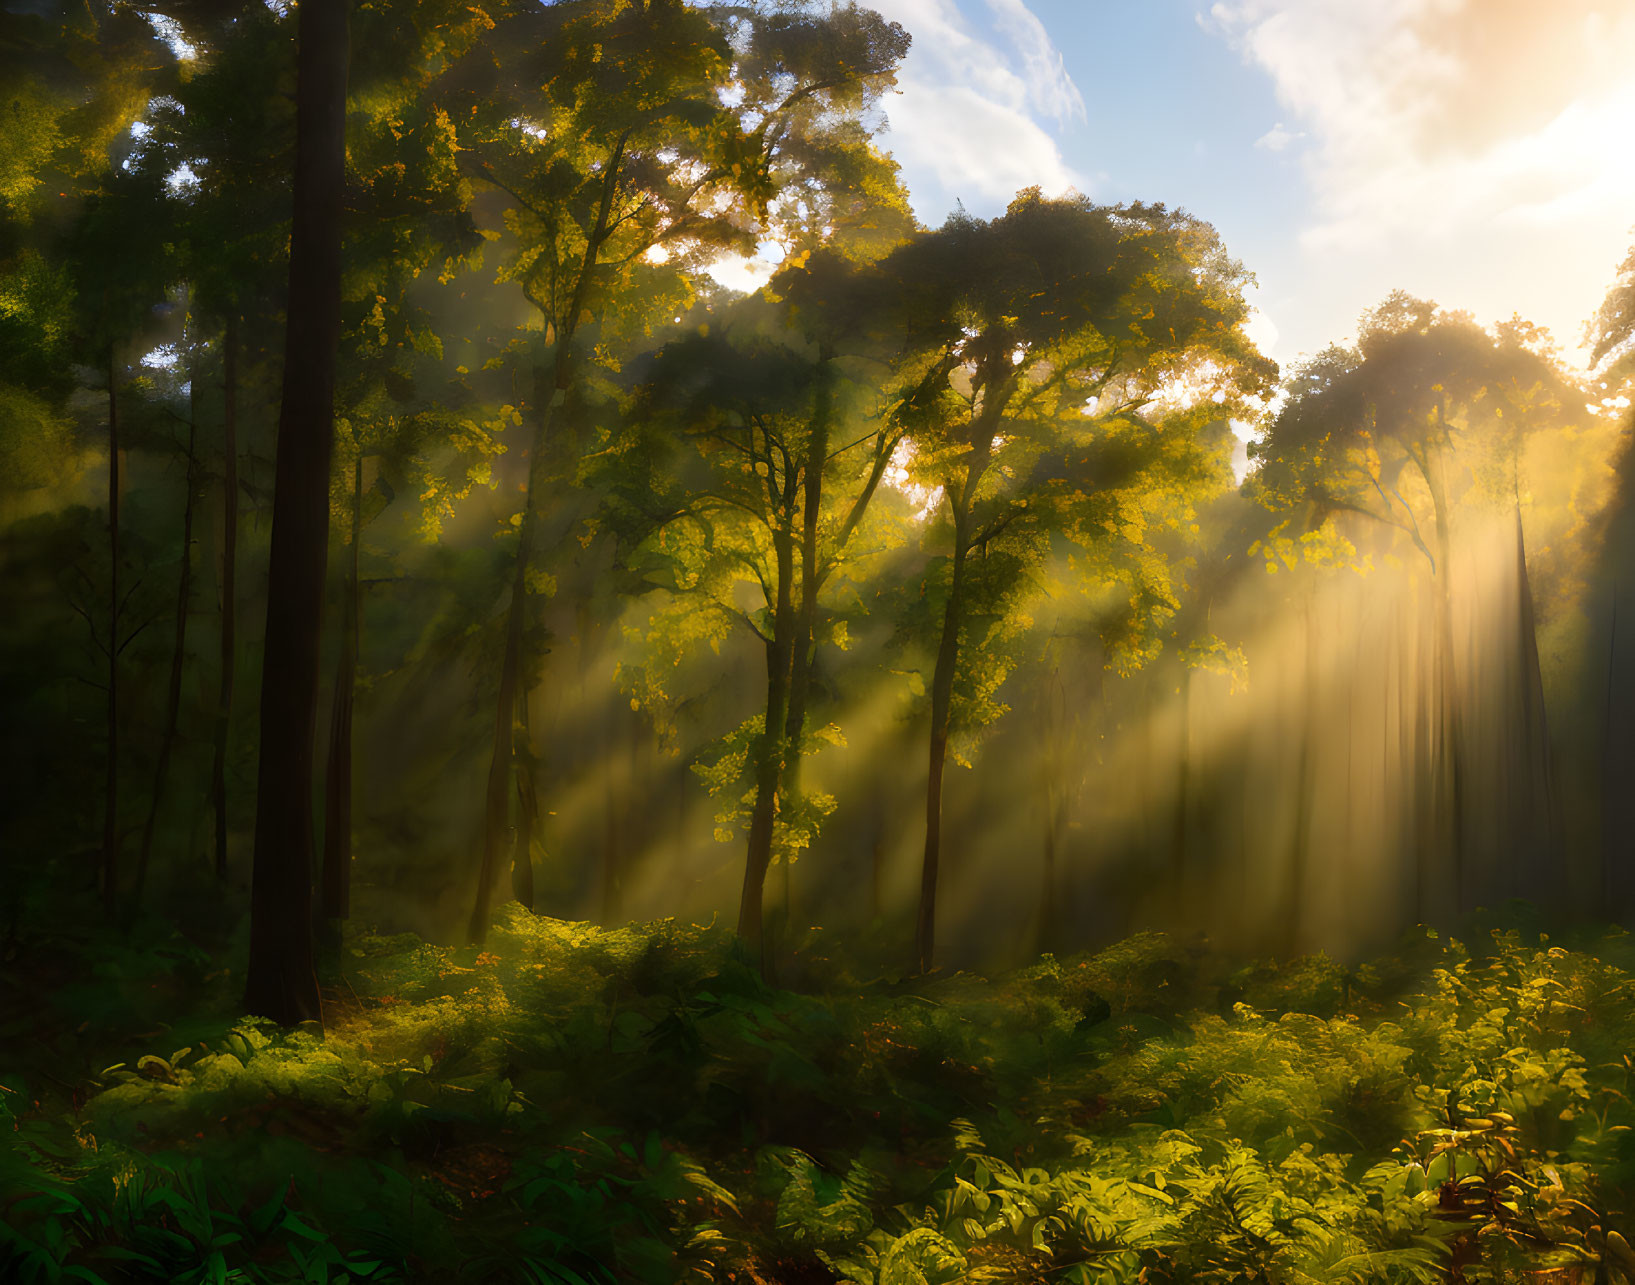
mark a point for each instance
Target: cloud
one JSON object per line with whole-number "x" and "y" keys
{"x": 1050, "y": 89}
{"x": 1276, "y": 139}
{"x": 1498, "y": 123}
{"x": 1427, "y": 111}
{"x": 968, "y": 108}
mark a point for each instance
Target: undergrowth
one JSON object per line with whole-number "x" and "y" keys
{"x": 571, "y": 1105}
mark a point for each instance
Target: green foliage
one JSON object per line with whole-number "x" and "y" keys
{"x": 579, "y": 1105}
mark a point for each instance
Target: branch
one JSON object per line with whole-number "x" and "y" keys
{"x": 882, "y": 459}
{"x": 753, "y": 627}
{"x": 135, "y": 633}
{"x": 83, "y": 614}
{"x": 995, "y": 528}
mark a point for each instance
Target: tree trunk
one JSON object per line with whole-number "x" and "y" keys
{"x": 942, "y": 694}
{"x": 1055, "y": 753}
{"x": 1425, "y": 796}
{"x": 229, "y": 600}
{"x": 1450, "y": 749}
{"x": 769, "y": 753}
{"x": 335, "y": 897}
{"x": 1540, "y": 763}
{"x": 1305, "y": 785}
{"x": 281, "y": 983}
{"x": 522, "y": 855}
{"x": 178, "y": 654}
{"x": 804, "y": 651}
{"x": 110, "y": 796}
{"x": 942, "y": 680}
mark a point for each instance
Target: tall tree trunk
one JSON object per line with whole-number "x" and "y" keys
{"x": 1305, "y": 785}
{"x": 804, "y": 652}
{"x": 1054, "y": 755}
{"x": 281, "y": 983}
{"x": 769, "y": 753}
{"x": 110, "y": 795}
{"x": 942, "y": 695}
{"x": 942, "y": 679}
{"x": 1450, "y": 747}
{"x": 1425, "y": 791}
{"x": 178, "y": 654}
{"x": 1540, "y": 767}
{"x": 612, "y": 865}
{"x": 229, "y": 598}
{"x": 522, "y": 855}
{"x": 335, "y": 897}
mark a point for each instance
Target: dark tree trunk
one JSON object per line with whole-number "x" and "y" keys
{"x": 110, "y": 796}
{"x": 522, "y": 855}
{"x": 1450, "y": 747}
{"x": 497, "y": 807}
{"x": 1425, "y": 793}
{"x": 769, "y": 754}
{"x": 942, "y": 681}
{"x": 1539, "y": 773}
{"x": 335, "y": 899}
{"x": 178, "y": 654}
{"x": 1057, "y": 743}
{"x": 281, "y": 983}
{"x": 229, "y": 599}
{"x": 942, "y": 695}
{"x": 803, "y": 651}
{"x": 612, "y": 864}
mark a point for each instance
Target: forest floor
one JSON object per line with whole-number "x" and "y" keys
{"x": 576, "y": 1105}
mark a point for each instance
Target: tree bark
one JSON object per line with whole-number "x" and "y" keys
{"x": 281, "y": 983}
{"x": 803, "y": 651}
{"x": 1054, "y": 756}
{"x": 942, "y": 693}
{"x": 335, "y": 900}
{"x": 229, "y": 599}
{"x": 522, "y": 855}
{"x": 769, "y": 752}
{"x": 1540, "y": 766}
{"x": 1450, "y": 748}
{"x": 110, "y": 796}
{"x": 942, "y": 680}
{"x": 178, "y": 654}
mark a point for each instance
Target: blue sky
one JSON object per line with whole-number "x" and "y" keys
{"x": 1342, "y": 147}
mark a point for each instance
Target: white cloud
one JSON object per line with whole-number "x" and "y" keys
{"x": 1277, "y": 139}
{"x": 1444, "y": 132}
{"x": 1050, "y": 89}
{"x": 967, "y": 109}
{"x": 974, "y": 145}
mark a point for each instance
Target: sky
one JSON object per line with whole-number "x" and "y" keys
{"x": 1480, "y": 153}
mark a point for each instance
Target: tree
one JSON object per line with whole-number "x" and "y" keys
{"x": 1059, "y": 329}
{"x": 780, "y": 449}
{"x": 1426, "y": 419}
{"x": 609, "y": 130}
{"x": 280, "y": 982}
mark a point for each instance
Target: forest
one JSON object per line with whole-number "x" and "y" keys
{"x": 526, "y": 763}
